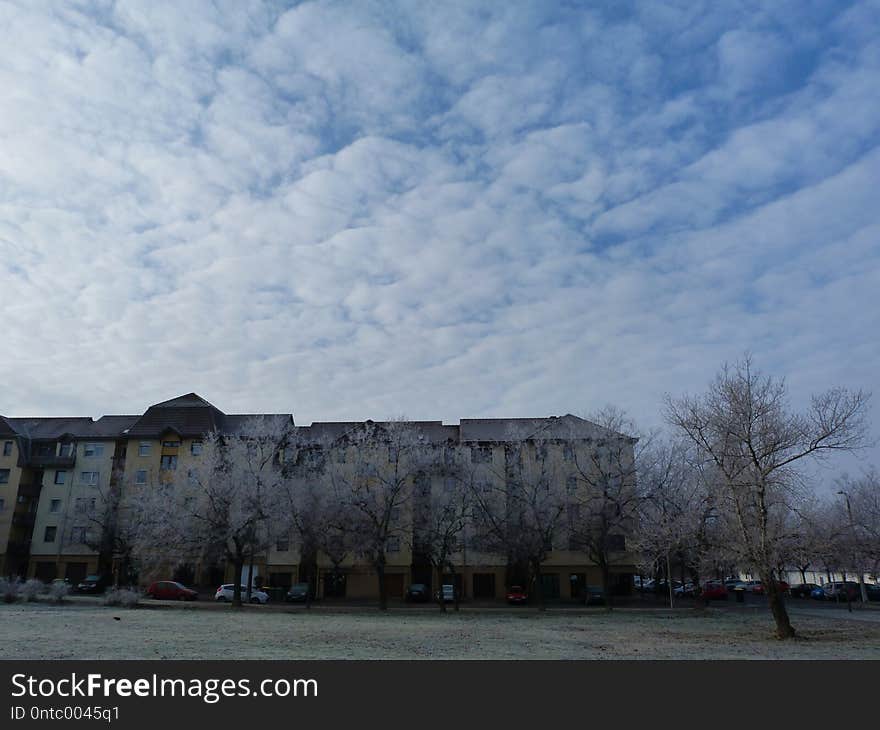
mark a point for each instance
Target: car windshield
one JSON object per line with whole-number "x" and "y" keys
{"x": 516, "y": 589}
{"x": 92, "y": 578}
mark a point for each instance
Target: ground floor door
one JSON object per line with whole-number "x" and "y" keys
{"x": 550, "y": 585}
{"x": 76, "y": 572}
{"x": 394, "y": 585}
{"x": 484, "y": 585}
{"x": 45, "y": 571}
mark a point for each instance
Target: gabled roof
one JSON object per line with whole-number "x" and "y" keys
{"x": 6, "y": 428}
{"x": 188, "y": 415}
{"x": 51, "y": 428}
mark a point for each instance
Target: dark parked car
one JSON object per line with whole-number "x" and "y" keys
{"x": 418, "y": 593}
{"x": 517, "y": 596}
{"x": 842, "y": 591}
{"x": 93, "y": 584}
{"x": 299, "y": 593}
{"x": 802, "y": 590}
{"x": 594, "y": 596}
{"x": 171, "y": 590}
{"x": 818, "y": 593}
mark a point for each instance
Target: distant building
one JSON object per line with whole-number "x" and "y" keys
{"x": 62, "y": 479}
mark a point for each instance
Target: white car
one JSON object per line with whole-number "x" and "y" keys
{"x": 225, "y": 593}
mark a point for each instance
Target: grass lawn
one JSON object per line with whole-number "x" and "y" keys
{"x": 78, "y": 631}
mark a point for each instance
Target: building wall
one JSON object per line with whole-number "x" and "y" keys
{"x": 8, "y": 493}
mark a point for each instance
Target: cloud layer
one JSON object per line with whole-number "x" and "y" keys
{"x": 443, "y": 210}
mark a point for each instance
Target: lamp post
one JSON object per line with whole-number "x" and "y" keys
{"x": 858, "y": 566}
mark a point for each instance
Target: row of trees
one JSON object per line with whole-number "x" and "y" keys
{"x": 385, "y": 487}
{"x": 725, "y": 490}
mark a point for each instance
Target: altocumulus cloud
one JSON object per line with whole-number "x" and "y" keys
{"x": 354, "y": 210}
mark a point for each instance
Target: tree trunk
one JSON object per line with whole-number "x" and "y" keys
{"x": 606, "y": 582}
{"x": 454, "y": 588}
{"x": 669, "y": 582}
{"x": 238, "y": 562}
{"x": 539, "y": 585}
{"x": 803, "y": 575}
{"x": 784, "y": 629}
{"x": 439, "y": 593}
{"x": 383, "y": 595}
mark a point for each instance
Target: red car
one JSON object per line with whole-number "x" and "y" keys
{"x": 170, "y": 590}
{"x": 757, "y": 587}
{"x": 516, "y": 595}
{"x": 713, "y": 591}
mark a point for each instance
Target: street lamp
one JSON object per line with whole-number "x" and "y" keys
{"x": 858, "y": 566}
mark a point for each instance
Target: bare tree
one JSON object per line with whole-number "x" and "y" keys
{"x": 607, "y": 494}
{"x": 442, "y": 512}
{"x": 228, "y": 505}
{"x": 520, "y": 510}
{"x": 744, "y": 425}
{"x": 374, "y": 484}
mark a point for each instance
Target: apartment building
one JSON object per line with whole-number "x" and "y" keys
{"x": 62, "y": 481}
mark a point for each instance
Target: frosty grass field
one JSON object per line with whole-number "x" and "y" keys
{"x": 44, "y": 631}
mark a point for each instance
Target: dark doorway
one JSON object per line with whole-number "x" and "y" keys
{"x": 394, "y": 585}
{"x": 484, "y": 585}
{"x": 45, "y": 571}
{"x": 577, "y": 583}
{"x": 76, "y": 572}
{"x": 550, "y": 585}
{"x": 334, "y": 585}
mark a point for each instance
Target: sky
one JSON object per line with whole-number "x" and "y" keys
{"x": 439, "y": 210}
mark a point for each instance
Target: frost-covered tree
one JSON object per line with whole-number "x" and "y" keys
{"x": 520, "y": 510}
{"x": 607, "y": 491}
{"x": 227, "y": 505}
{"x": 744, "y": 425}
{"x": 373, "y": 485}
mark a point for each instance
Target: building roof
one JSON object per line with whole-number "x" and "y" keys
{"x": 6, "y": 428}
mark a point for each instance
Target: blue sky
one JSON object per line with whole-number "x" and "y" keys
{"x": 443, "y": 210}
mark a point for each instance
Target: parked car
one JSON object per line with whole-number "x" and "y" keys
{"x": 754, "y": 586}
{"x": 594, "y": 596}
{"x": 298, "y": 593}
{"x": 516, "y": 595}
{"x": 418, "y": 593}
{"x": 226, "y": 592}
{"x": 446, "y": 593}
{"x": 171, "y": 590}
{"x": 818, "y": 593}
{"x": 688, "y": 589}
{"x": 802, "y": 590}
{"x": 873, "y": 591}
{"x": 93, "y": 584}
{"x": 731, "y": 583}
{"x": 842, "y": 591}
{"x": 714, "y": 590}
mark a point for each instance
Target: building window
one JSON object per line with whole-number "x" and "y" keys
{"x": 395, "y": 514}
{"x": 171, "y": 444}
{"x": 192, "y": 477}
{"x": 617, "y": 543}
{"x": 140, "y": 476}
{"x": 89, "y": 478}
{"x": 60, "y": 476}
{"x": 66, "y": 450}
{"x": 282, "y": 546}
{"x": 2, "y": 504}
{"x": 571, "y": 484}
{"x": 144, "y": 448}
{"x": 196, "y": 448}
{"x": 78, "y": 535}
{"x": 567, "y": 452}
{"x": 4, "y": 476}
{"x": 393, "y": 544}
{"x": 84, "y": 504}
{"x": 55, "y": 505}
{"x": 7, "y": 448}
{"x": 93, "y": 450}
{"x": 49, "y": 534}
{"x": 481, "y": 455}
{"x": 168, "y": 463}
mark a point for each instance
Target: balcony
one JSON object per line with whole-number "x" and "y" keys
{"x": 23, "y": 519}
{"x": 18, "y": 547}
{"x": 29, "y": 490}
{"x": 45, "y": 461}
